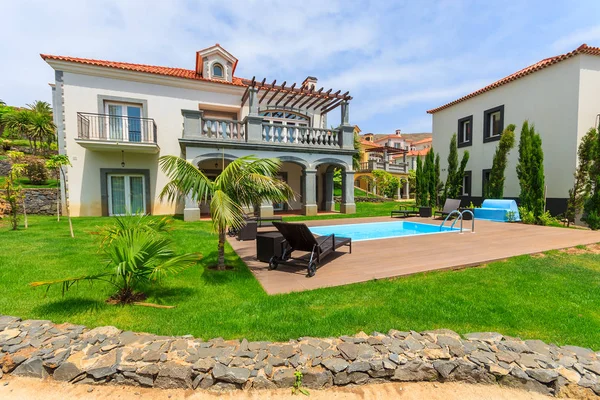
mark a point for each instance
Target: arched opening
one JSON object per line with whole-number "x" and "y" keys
{"x": 331, "y": 181}
{"x": 211, "y": 167}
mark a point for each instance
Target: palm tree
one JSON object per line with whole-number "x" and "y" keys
{"x": 18, "y": 121}
{"x": 41, "y": 128}
{"x": 136, "y": 254}
{"x": 41, "y": 107}
{"x": 245, "y": 182}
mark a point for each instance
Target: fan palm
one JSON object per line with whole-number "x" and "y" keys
{"x": 19, "y": 122}
{"x": 41, "y": 128}
{"x": 245, "y": 182}
{"x": 40, "y": 107}
{"x": 136, "y": 254}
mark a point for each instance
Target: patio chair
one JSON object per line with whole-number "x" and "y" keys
{"x": 299, "y": 238}
{"x": 449, "y": 206}
{"x": 405, "y": 211}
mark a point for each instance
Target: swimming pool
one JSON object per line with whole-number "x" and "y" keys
{"x": 380, "y": 230}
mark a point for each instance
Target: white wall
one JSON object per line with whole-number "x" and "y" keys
{"x": 589, "y": 94}
{"x": 548, "y": 99}
{"x": 164, "y": 106}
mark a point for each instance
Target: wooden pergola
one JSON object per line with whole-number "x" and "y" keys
{"x": 289, "y": 96}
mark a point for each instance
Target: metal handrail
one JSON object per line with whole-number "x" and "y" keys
{"x": 449, "y": 215}
{"x": 472, "y": 220}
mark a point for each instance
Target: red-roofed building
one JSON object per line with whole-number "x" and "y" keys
{"x": 560, "y": 95}
{"x": 114, "y": 120}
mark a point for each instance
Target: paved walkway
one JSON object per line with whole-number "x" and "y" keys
{"x": 387, "y": 258}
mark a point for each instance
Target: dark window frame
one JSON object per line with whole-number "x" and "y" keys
{"x": 483, "y": 183}
{"x": 470, "y": 191}
{"x": 486, "y": 124}
{"x": 459, "y": 132}
{"x": 104, "y": 172}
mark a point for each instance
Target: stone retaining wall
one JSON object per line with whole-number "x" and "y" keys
{"x": 75, "y": 354}
{"x": 39, "y": 201}
{"x": 5, "y": 166}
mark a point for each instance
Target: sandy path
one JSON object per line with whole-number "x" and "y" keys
{"x": 25, "y": 388}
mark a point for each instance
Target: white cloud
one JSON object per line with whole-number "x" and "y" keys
{"x": 575, "y": 39}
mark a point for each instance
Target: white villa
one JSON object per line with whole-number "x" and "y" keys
{"x": 560, "y": 95}
{"x": 115, "y": 119}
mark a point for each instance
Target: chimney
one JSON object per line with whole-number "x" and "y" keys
{"x": 397, "y": 132}
{"x": 309, "y": 82}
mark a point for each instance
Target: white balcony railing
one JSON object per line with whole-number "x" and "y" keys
{"x": 277, "y": 133}
{"x": 222, "y": 129}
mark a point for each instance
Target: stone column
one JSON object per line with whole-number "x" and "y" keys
{"x": 266, "y": 209}
{"x": 348, "y": 206}
{"x": 406, "y": 189}
{"x": 329, "y": 201}
{"x": 253, "y": 121}
{"x": 191, "y": 212}
{"x": 309, "y": 190}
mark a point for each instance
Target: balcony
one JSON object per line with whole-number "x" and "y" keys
{"x": 101, "y": 132}
{"x": 373, "y": 165}
{"x": 257, "y": 131}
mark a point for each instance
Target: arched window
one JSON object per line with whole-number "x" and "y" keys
{"x": 217, "y": 70}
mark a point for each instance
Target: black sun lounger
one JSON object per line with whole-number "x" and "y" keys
{"x": 299, "y": 238}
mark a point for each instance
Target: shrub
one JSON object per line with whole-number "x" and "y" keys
{"x": 593, "y": 220}
{"x": 527, "y": 216}
{"x": 36, "y": 171}
{"x": 547, "y": 219}
{"x": 6, "y": 144}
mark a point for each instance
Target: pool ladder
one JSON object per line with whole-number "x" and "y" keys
{"x": 460, "y": 217}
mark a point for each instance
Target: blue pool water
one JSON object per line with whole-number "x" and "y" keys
{"x": 380, "y": 230}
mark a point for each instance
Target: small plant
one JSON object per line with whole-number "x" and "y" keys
{"x": 546, "y": 219}
{"x": 472, "y": 206}
{"x": 57, "y": 162}
{"x": 136, "y": 254}
{"x": 511, "y": 216}
{"x": 527, "y": 216}
{"x": 36, "y": 171}
{"x": 297, "y": 388}
{"x": 6, "y": 144}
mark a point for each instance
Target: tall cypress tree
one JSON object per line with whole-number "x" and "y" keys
{"x": 438, "y": 182}
{"x": 419, "y": 183}
{"x": 430, "y": 173}
{"x": 458, "y": 177}
{"x": 452, "y": 169}
{"x": 538, "y": 186}
{"x": 523, "y": 167}
{"x": 505, "y": 145}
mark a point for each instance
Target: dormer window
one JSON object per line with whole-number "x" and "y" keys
{"x": 217, "y": 71}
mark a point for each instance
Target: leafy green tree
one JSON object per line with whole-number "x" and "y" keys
{"x": 12, "y": 191}
{"x": 495, "y": 187}
{"x": 386, "y": 183}
{"x": 245, "y": 182}
{"x": 582, "y": 186}
{"x": 58, "y": 162}
{"x": 592, "y": 204}
{"x": 136, "y": 255}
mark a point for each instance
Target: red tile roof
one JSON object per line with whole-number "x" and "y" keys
{"x": 149, "y": 69}
{"x": 423, "y": 141}
{"x": 422, "y": 152}
{"x": 583, "y": 49}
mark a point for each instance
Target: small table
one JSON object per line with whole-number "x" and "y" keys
{"x": 269, "y": 244}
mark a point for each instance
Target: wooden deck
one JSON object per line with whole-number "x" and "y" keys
{"x": 386, "y": 258}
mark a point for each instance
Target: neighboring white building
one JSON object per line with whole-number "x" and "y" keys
{"x": 559, "y": 95}
{"x": 115, "y": 119}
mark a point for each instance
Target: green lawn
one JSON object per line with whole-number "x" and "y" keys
{"x": 555, "y": 298}
{"x": 51, "y": 183}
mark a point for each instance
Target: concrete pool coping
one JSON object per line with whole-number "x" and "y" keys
{"x": 400, "y": 256}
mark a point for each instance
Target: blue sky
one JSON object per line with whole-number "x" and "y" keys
{"x": 398, "y": 59}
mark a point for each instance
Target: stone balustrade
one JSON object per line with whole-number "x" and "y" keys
{"x": 72, "y": 353}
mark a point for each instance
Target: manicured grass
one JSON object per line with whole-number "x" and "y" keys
{"x": 50, "y": 183}
{"x": 554, "y": 298}
{"x": 357, "y": 192}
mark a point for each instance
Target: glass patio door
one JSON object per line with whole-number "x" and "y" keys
{"x": 124, "y": 122}
{"x": 126, "y": 194}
